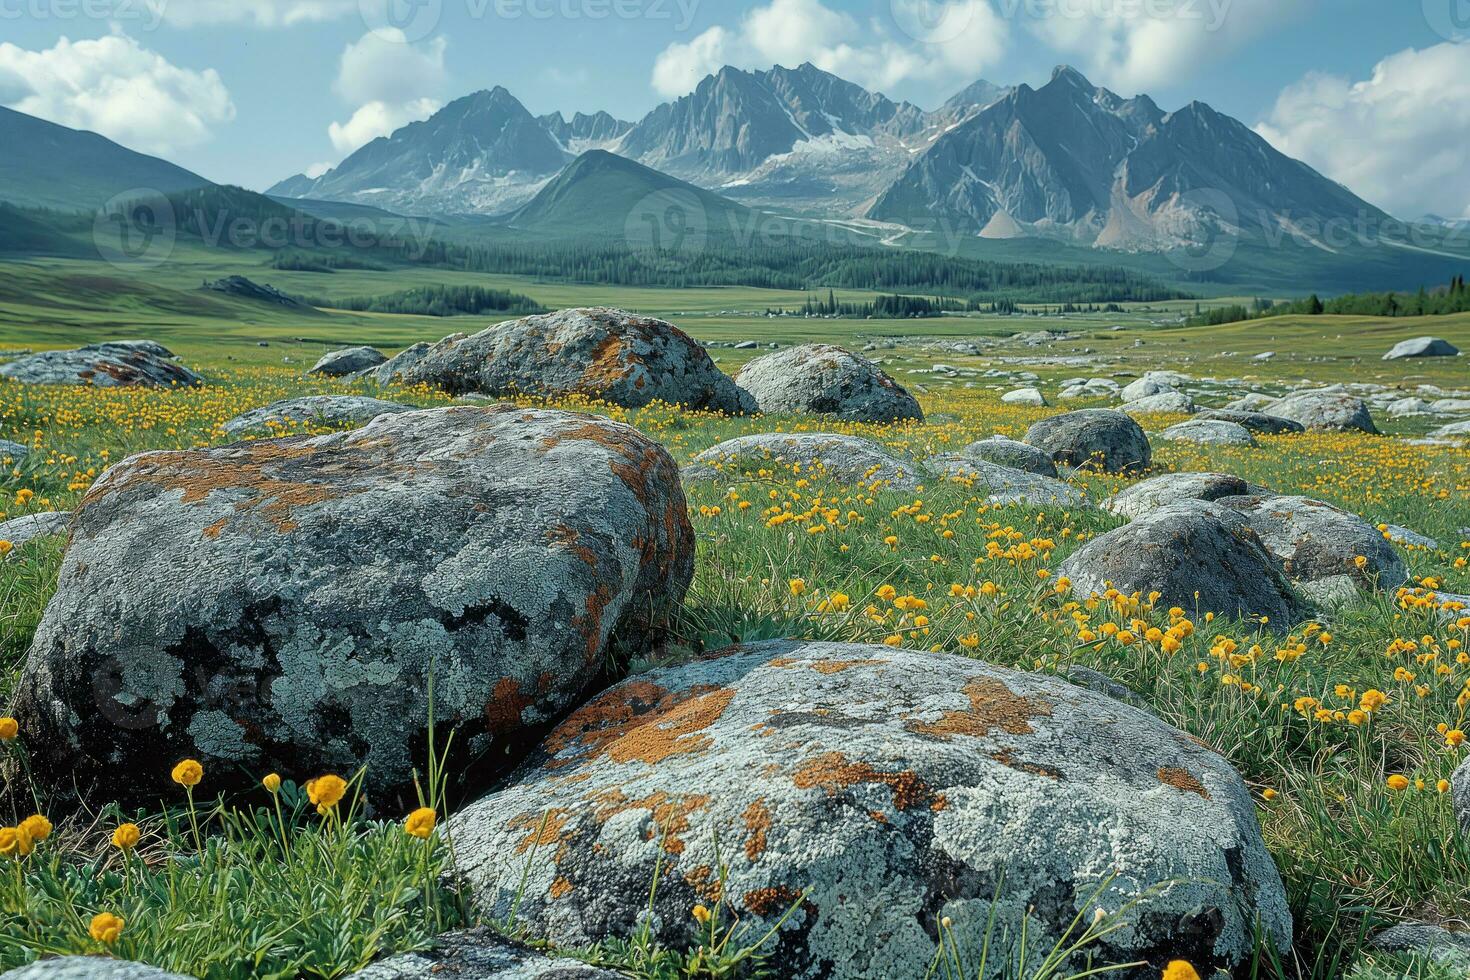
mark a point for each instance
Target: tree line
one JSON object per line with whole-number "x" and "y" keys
{"x": 1442, "y": 301}
{"x": 437, "y": 301}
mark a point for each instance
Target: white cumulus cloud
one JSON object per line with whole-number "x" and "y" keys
{"x": 960, "y": 42}
{"x": 1135, "y": 47}
{"x": 114, "y": 86}
{"x": 1400, "y": 138}
{"x": 382, "y": 66}
{"x": 390, "y": 83}
{"x": 378, "y": 119}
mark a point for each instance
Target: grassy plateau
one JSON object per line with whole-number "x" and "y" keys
{"x": 1346, "y": 730}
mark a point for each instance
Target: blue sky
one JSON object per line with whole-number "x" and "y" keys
{"x": 250, "y": 91}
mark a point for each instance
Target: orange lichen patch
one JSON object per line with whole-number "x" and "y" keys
{"x": 213, "y": 531}
{"x": 838, "y": 666}
{"x": 706, "y": 883}
{"x": 568, "y": 538}
{"x": 1183, "y": 780}
{"x": 993, "y": 706}
{"x": 274, "y": 476}
{"x": 676, "y": 732}
{"x": 765, "y": 901}
{"x": 832, "y": 772}
{"x": 1007, "y": 759}
{"x": 877, "y": 816}
{"x": 610, "y": 363}
{"x": 560, "y": 888}
{"x": 823, "y": 666}
{"x": 589, "y": 622}
{"x": 610, "y": 715}
{"x": 670, "y": 815}
{"x": 503, "y": 710}
{"x": 542, "y": 829}
{"x": 940, "y": 804}
{"x": 757, "y": 819}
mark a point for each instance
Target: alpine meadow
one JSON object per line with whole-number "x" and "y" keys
{"x": 767, "y": 490}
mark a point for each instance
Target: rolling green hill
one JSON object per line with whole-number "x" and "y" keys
{"x": 46, "y": 165}
{"x": 602, "y": 195}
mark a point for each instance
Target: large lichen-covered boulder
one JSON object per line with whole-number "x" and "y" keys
{"x": 1171, "y": 488}
{"x": 1009, "y": 452}
{"x": 598, "y": 352}
{"x": 395, "y": 367}
{"x": 479, "y": 954}
{"x": 890, "y": 788}
{"x": 284, "y": 604}
{"x": 349, "y": 361}
{"x": 89, "y": 968}
{"x": 1098, "y": 437}
{"x": 1254, "y": 421}
{"x": 1004, "y": 485}
{"x": 814, "y": 455}
{"x": 820, "y": 379}
{"x": 1324, "y": 411}
{"x": 1196, "y": 555}
{"x": 119, "y": 364}
{"x": 318, "y": 410}
{"x": 1315, "y": 540}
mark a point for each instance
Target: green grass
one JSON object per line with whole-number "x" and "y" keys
{"x": 1354, "y": 854}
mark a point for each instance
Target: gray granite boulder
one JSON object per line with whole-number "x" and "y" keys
{"x": 598, "y": 353}
{"x": 1253, "y": 402}
{"x": 1422, "y": 347}
{"x": 479, "y": 954}
{"x": 874, "y": 791}
{"x": 89, "y": 968}
{"x": 1025, "y": 396}
{"x": 1009, "y": 452}
{"x": 1161, "y": 491}
{"x": 1255, "y": 421}
{"x": 820, "y": 456}
{"x": 1146, "y": 387}
{"x": 1315, "y": 540}
{"x": 820, "y": 379}
{"x": 1004, "y": 485}
{"x": 352, "y": 360}
{"x": 13, "y": 451}
{"x": 395, "y": 367}
{"x": 1451, "y": 949}
{"x": 1455, "y": 430}
{"x": 312, "y": 410}
{"x": 1209, "y": 433}
{"x": 22, "y": 530}
{"x": 111, "y": 365}
{"x": 1197, "y": 555}
{"x": 282, "y": 604}
{"x": 1168, "y": 402}
{"x": 1324, "y": 411}
{"x": 1108, "y": 440}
